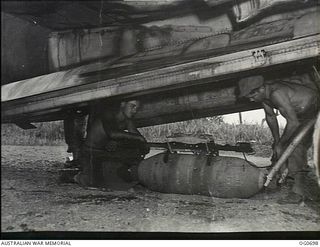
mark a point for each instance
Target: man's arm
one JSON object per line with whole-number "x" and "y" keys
{"x": 142, "y": 145}
{"x": 111, "y": 128}
{"x": 272, "y": 122}
{"x": 131, "y": 127}
{"x": 122, "y": 135}
{"x": 282, "y": 102}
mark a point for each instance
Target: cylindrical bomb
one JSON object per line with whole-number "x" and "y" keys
{"x": 226, "y": 177}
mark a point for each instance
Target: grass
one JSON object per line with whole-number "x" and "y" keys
{"x": 52, "y": 133}
{"x": 221, "y": 132}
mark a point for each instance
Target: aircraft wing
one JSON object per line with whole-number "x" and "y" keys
{"x": 176, "y": 81}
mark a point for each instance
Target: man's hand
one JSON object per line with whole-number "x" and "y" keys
{"x": 274, "y": 157}
{"x": 277, "y": 152}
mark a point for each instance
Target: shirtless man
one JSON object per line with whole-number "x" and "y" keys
{"x": 297, "y": 104}
{"x": 110, "y": 128}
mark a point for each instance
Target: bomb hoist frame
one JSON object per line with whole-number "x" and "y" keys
{"x": 172, "y": 77}
{"x": 209, "y": 148}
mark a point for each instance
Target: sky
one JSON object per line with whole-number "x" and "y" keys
{"x": 250, "y": 117}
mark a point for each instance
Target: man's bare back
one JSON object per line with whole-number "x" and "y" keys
{"x": 302, "y": 99}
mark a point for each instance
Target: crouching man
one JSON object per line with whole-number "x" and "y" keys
{"x": 297, "y": 103}
{"x": 111, "y": 139}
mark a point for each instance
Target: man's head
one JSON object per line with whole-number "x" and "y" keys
{"x": 130, "y": 108}
{"x": 252, "y": 88}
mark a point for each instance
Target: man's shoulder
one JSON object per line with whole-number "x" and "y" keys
{"x": 277, "y": 88}
{"x": 291, "y": 85}
{"x": 285, "y": 89}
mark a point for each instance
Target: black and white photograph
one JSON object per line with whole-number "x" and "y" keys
{"x": 160, "y": 119}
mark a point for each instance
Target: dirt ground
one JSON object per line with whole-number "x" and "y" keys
{"x": 32, "y": 199}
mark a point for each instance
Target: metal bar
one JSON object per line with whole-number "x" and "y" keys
{"x": 288, "y": 151}
{"x": 317, "y": 81}
{"x": 243, "y": 147}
